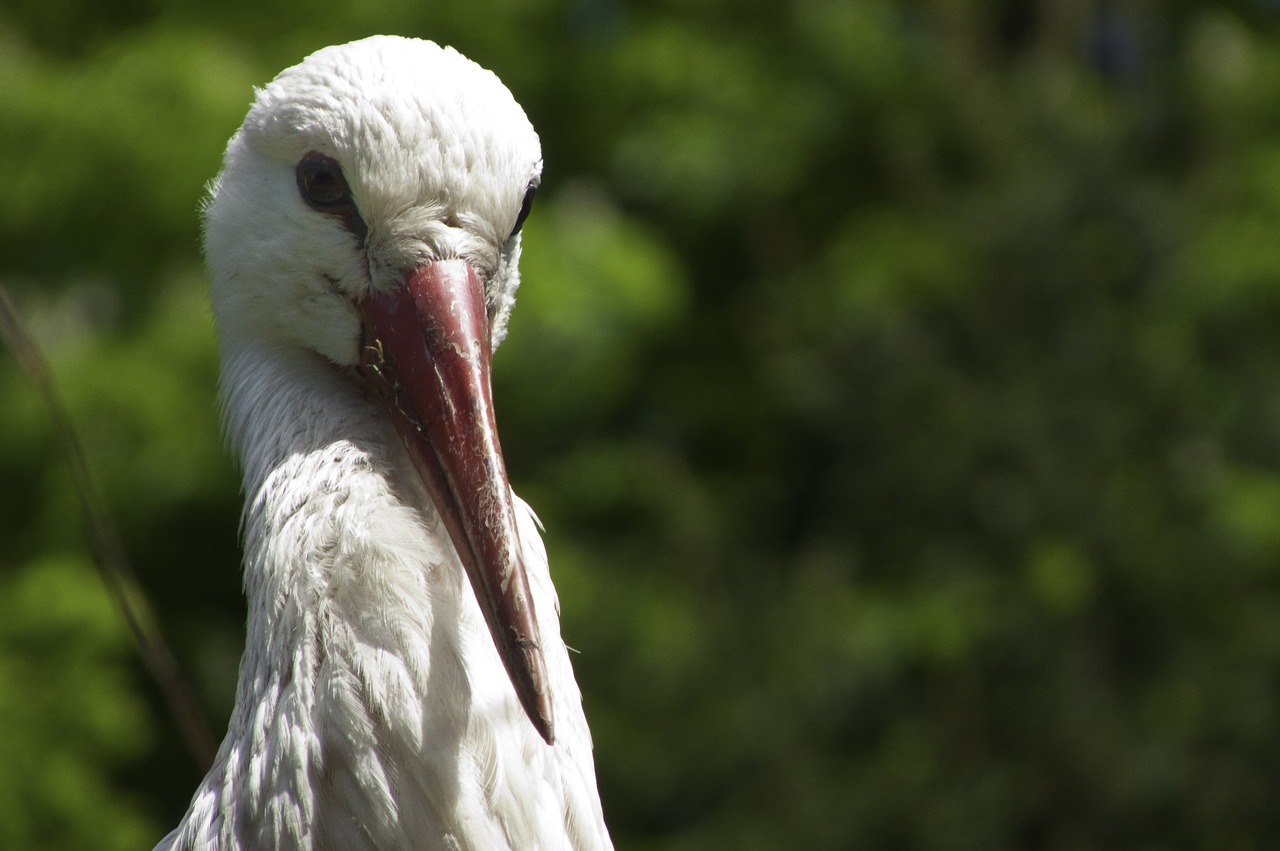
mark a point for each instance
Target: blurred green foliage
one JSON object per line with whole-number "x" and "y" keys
{"x": 899, "y": 383}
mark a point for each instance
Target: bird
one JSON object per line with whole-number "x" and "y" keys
{"x": 404, "y": 683}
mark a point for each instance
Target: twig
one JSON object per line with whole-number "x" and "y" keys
{"x": 108, "y": 552}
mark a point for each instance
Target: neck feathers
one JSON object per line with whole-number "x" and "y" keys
{"x": 372, "y": 709}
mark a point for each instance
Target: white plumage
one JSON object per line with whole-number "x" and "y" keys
{"x": 374, "y": 710}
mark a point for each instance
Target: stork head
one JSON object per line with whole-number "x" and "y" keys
{"x": 369, "y": 211}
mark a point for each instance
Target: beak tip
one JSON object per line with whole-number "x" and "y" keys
{"x": 529, "y": 676}
{"x": 542, "y": 721}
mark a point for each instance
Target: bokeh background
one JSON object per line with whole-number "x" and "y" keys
{"x": 898, "y": 380}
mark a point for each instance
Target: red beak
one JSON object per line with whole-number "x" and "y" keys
{"x": 426, "y": 349}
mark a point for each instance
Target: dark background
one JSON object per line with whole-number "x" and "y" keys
{"x": 899, "y": 383}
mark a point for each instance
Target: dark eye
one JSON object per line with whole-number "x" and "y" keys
{"x": 525, "y": 206}
{"x": 322, "y": 186}
{"x": 321, "y": 183}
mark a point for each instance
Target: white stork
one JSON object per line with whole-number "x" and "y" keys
{"x": 403, "y": 654}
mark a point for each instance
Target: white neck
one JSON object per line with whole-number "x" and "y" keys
{"x": 372, "y": 709}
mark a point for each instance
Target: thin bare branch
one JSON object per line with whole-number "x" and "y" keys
{"x": 107, "y": 549}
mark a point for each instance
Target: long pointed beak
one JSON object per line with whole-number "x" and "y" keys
{"x": 426, "y": 349}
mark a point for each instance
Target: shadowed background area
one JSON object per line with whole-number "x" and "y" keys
{"x": 899, "y": 384}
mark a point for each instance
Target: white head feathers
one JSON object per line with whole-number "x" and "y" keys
{"x": 438, "y": 156}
